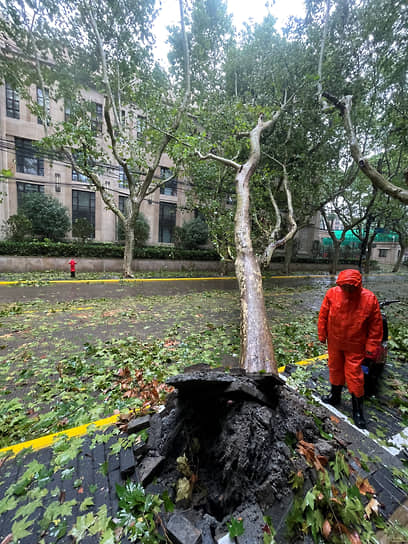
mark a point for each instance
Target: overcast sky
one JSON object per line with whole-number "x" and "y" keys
{"x": 242, "y": 11}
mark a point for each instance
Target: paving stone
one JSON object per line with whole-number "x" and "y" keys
{"x": 113, "y": 462}
{"x": 138, "y": 424}
{"x": 140, "y": 448}
{"x": 148, "y": 468}
{"x": 390, "y": 496}
{"x": 384, "y": 477}
{"x": 114, "y": 478}
{"x": 86, "y": 467}
{"x": 182, "y": 531}
{"x": 207, "y": 525}
{"x": 101, "y": 480}
{"x": 127, "y": 462}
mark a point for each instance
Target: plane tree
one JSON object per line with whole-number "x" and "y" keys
{"x": 353, "y": 207}
{"x": 71, "y": 49}
{"x": 253, "y": 142}
{"x": 362, "y": 65}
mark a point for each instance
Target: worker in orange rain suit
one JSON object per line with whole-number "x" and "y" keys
{"x": 350, "y": 321}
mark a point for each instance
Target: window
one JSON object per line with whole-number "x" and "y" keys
{"x": 140, "y": 126}
{"x": 83, "y": 206}
{"x": 67, "y": 110}
{"x": 80, "y": 160}
{"x": 40, "y": 102}
{"x": 382, "y": 253}
{"x": 77, "y": 176}
{"x": 57, "y": 182}
{"x": 26, "y": 188}
{"x": 167, "y": 222}
{"x": 26, "y": 160}
{"x": 122, "y": 203}
{"x": 12, "y": 102}
{"x": 123, "y": 183}
{"x": 96, "y": 117}
{"x": 170, "y": 187}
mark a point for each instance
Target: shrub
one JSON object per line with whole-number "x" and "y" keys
{"x": 142, "y": 230}
{"x": 18, "y": 227}
{"x": 192, "y": 234}
{"x": 82, "y": 228}
{"x": 49, "y": 218}
{"x": 100, "y": 250}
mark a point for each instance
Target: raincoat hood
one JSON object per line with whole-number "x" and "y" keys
{"x": 350, "y": 277}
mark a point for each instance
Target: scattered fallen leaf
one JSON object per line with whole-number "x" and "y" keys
{"x": 364, "y": 486}
{"x": 335, "y": 419}
{"x": 326, "y": 529}
{"x": 371, "y": 507}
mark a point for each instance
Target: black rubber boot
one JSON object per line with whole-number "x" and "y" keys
{"x": 358, "y": 414}
{"x": 335, "y": 395}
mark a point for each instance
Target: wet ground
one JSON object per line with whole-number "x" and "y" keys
{"x": 41, "y": 325}
{"x": 384, "y": 285}
{"x": 49, "y": 321}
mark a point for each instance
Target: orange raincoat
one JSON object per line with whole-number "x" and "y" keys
{"x": 352, "y": 325}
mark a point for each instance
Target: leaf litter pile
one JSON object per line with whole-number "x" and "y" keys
{"x": 70, "y": 363}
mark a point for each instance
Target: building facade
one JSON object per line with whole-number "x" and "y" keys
{"x": 29, "y": 170}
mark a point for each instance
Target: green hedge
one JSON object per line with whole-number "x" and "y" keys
{"x": 100, "y": 250}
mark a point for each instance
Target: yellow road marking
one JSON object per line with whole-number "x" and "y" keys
{"x": 120, "y": 280}
{"x": 45, "y": 441}
{"x": 305, "y": 362}
{"x": 312, "y": 360}
{"x": 129, "y": 280}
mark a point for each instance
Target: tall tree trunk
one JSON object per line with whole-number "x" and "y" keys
{"x": 364, "y": 243}
{"x": 368, "y": 256}
{"x": 403, "y": 247}
{"x": 257, "y": 352}
{"x": 288, "y": 256}
{"x": 129, "y": 247}
{"x": 335, "y": 259}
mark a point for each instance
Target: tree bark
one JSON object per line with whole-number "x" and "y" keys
{"x": 335, "y": 260}
{"x": 401, "y": 255}
{"x": 257, "y": 353}
{"x": 288, "y": 256}
{"x": 377, "y": 179}
{"x": 256, "y": 342}
{"x": 128, "y": 249}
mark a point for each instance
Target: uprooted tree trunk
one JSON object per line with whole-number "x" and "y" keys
{"x": 257, "y": 353}
{"x": 256, "y": 342}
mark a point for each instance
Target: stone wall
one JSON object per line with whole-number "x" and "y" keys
{"x": 38, "y": 264}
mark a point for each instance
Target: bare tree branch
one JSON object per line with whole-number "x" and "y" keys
{"x": 377, "y": 179}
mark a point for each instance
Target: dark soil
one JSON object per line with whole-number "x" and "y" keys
{"x": 240, "y": 450}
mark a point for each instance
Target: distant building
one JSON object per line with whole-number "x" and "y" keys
{"x": 19, "y": 128}
{"x": 385, "y": 249}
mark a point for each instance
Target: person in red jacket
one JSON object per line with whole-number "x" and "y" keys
{"x": 350, "y": 321}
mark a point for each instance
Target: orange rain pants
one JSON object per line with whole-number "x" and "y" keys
{"x": 352, "y": 325}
